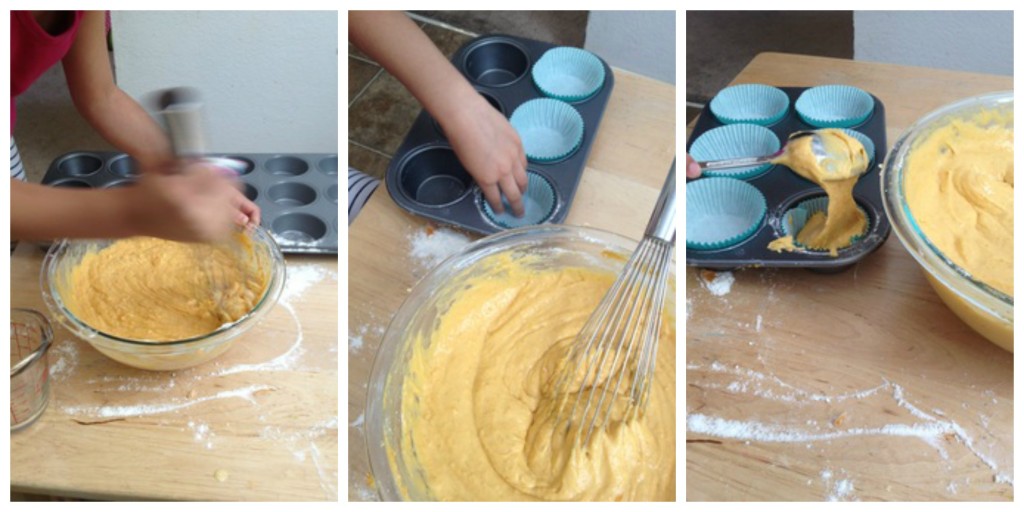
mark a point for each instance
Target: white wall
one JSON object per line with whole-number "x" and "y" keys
{"x": 643, "y": 42}
{"x": 269, "y": 80}
{"x": 959, "y": 40}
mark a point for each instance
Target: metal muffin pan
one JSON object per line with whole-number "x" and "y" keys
{"x": 297, "y": 193}
{"x": 426, "y": 178}
{"x": 783, "y": 189}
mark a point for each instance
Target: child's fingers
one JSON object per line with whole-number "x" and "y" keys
{"x": 510, "y": 187}
{"x": 493, "y": 197}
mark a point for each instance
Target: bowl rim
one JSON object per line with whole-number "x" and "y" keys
{"x": 380, "y": 460}
{"x": 51, "y": 296}
{"x": 906, "y": 227}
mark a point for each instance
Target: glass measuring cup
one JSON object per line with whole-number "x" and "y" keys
{"x": 31, "y": 336}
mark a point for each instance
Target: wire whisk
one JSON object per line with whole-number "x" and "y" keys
{"x": 607, "y": 374}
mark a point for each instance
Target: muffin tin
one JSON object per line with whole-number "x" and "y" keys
{"x": 783, "y": 190}
{"x": 297, "y": 193}
{"x": 426, "y": 178}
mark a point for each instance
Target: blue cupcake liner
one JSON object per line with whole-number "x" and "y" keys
{"x": 869, "y": 145}
{"x": 796, "y": 217}
{"x": 539, "y": 204}
{"x": 750, "y": 103}
{"x": 550, "y": 129}
{"x": 735, "y": 141}
{"x": 721, "y": 212}
{"x": 834, "y": 106}
{"x": 568, "y": 74}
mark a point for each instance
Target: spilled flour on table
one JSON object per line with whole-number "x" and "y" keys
{"x": 430, "y": 246}
{"x": 175, "y": 394}
{"x": 718, "y": 283}
{"x": 932, "y": 429}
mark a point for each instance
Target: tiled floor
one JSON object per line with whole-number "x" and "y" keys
{"x": 381, "y": 110}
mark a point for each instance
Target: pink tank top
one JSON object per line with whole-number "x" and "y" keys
{"x": 33, "y": 51}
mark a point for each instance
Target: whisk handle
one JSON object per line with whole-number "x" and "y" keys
{"x": 663, "y": 219}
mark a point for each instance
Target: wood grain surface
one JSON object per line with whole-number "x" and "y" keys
{"x": 258, "y": 423}
{"x": 855, "y": 386}
{"x": 634, "y": 148}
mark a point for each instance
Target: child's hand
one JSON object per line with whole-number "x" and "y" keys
{"x": 692, "y": 169}
{"x": 491, "y": 151}
{"x": 198, "y": 204}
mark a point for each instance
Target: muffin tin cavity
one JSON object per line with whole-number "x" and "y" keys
{"x": 568, "y": 74}
{"x": 538, "y": 204}
{"x": 750, "y": 103}
{"x": 433, "y": 176}
{"x": 495, "y": 62}
{"x": 297, "y": 206}
{"x": 550, "y": 129}
{"x": 795, "y": 217}
{"x": 79, "y": 164}
{"x": 783, "y": 190}
{"x": 721, "y": 212}
{"x": 735, "y": 141}
{"x": 834, "y": 106}
{"x": 124, "y": 166}
{"x": 426, "y": 178}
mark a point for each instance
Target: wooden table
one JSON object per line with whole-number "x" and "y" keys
{"x": 634, "y": 148}
{"x": 831, "y": 367}
{"x": 258, "y": 423}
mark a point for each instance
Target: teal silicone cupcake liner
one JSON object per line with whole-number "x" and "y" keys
{"x": 539, "y": 204}
{"x": 721, "y": 212}
{"x": 568, "y": 74}
{"x": 869, "y": 146}
{"x": 834, "y": 106}
{"x": 550, "y": 129}
{"x": 735, "y": 141}
{"x": 796, "y": 217}
{"x": 750, "y": 103}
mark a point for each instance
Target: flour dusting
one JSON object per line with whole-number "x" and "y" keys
{"x": 64, "y": 358}
{"x": 111, "y": 411}
{"x": 431, "y": 246}
{"x": 718, "y": 283}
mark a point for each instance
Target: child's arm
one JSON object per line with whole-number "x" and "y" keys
{"x": 114, "y": 114}
{"x": 484, "y": 141}
{"x": 195, "y": 205}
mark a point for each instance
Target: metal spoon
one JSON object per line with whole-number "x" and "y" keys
{"x": 817, "y": 147}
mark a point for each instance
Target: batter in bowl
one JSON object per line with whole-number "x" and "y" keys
{"x": 837, "y": 175}
{"x": 478, "y": 404}
{"x": 151, "y": 289}
{"x": 959, "y": 187}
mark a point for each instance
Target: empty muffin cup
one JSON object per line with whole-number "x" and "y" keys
{"x": 750, "y": 103}
{"x": 550, "y": 129}
{"x": 495, "y": 62}
{"x": 291, "y": 194}
{"x": 328, "y": 166}
{"x": 795, "y": 218}
{"x": 834, "y": 106}
{"x": 287, "y": 166}
{"x": 298, "y": 228}
{"x": 80, "y": 164}
{"x": 721, "y": 212}
{"x": 539, "y": 204}
{"x": 568, "y": 74}
{"x": 735, "y": 141}
{"x": 71, "y": 183}
{"x": 433, "y": 176}
{"x": 124, "y": 166}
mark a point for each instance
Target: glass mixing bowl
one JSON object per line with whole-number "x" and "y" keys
{"x": 985, "y": 309}
{"x": 150, "y": 355}
{"x": 396, "y": 473}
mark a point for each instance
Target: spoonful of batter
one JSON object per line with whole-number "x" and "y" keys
{"x": 833, "y": 160}
{"x": 817, "y": 147}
